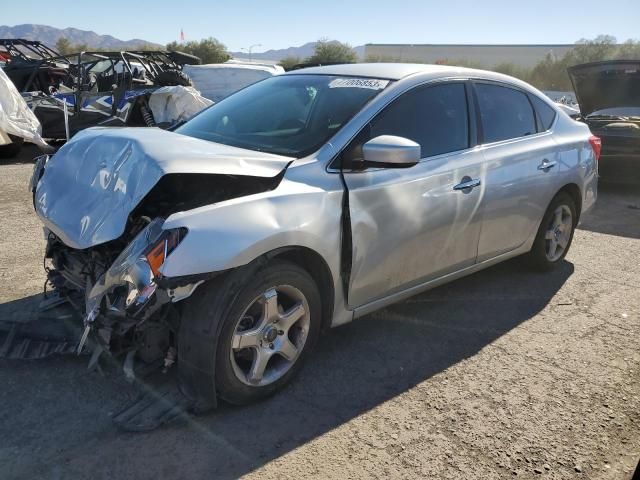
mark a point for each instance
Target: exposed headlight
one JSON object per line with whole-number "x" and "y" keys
{"x": 136, "y": 268}
{"x": 158, "y": 253}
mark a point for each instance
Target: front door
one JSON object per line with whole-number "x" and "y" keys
{"x": 411, "y": 225}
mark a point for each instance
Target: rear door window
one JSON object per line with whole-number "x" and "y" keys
{"x": 505, "y": 113}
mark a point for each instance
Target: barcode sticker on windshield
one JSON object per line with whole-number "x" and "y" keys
{"x": 371, "y": 83}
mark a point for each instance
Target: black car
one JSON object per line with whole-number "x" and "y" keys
{"x": 609, "y": 97}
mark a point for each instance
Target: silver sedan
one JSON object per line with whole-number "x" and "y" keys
{"x": 303, "y": 202}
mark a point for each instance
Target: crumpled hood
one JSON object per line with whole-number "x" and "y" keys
{"x": 603, "y": 85}
{"x": 92, "y": 183}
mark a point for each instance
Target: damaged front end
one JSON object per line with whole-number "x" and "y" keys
{"x": 124, "y": 310}
{"x": 104, "y": 199}
{"x": 122, "y": 303}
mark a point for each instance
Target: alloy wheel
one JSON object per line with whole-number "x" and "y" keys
{"x": 270, "y": 335}
{"x": 558, "y": 233}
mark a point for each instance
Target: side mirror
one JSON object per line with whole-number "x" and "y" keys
{"x": 391, "y": 152}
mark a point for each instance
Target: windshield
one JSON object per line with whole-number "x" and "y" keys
{"x": 616, "y": 112}
{"x": 291, "y": 115}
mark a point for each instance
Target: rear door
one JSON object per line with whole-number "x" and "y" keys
{"x": 411, "y": 225}
{"x": 521, "y": 162}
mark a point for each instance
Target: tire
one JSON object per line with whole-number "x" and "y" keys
{"x": 542, "y": 256}
{"x": 12, "y": 149}
{"x": 232, "y": 308}
{"x": 170, "y": 78}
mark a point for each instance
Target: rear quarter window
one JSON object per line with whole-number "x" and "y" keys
{"x": 546, "y": 114}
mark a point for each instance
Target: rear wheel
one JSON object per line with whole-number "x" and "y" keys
{"x": 555, "y": 233}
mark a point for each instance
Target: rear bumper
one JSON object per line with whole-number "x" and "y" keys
{"x": 620, "y": 157}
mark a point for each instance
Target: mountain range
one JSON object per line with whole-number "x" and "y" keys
{"x": 302, "y": 52}
{"x": 50, "y": 35}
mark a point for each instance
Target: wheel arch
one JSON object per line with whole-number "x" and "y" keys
{"x": 576, "y": 195}
{"x": 316, "y": 266}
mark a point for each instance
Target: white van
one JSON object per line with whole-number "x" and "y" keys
{"x": 216, "y": 81}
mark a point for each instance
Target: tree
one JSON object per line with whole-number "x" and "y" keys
{"x": 332, "y": 51}
{"x": 629, "y": 50}
{"x": 147, "y": 47}
{"x": 512, "y": 69}
{"x": 289, "y": 62}
{"x": 210, "y": 50}
{"x": 551, "y": 73}
{"x": 64, "y": 46}
{"x": 603, "y": 47}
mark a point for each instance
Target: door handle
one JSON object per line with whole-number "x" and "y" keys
{"x": 546, "y": 165}
{"x": 467, "y": 184}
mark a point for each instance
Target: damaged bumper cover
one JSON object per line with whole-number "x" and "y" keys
{"x": 129, "y": 290}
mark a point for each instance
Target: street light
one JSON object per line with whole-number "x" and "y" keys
{"x": 251, "y": 48}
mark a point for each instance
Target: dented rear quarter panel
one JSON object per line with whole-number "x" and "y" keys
{"x": 578, "y": 164}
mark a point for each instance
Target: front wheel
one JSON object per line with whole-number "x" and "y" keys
{"x": 555, "y": 233}
{"x": 268, "y": 325}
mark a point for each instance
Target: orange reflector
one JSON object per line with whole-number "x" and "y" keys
{"x": 156, "y": 258}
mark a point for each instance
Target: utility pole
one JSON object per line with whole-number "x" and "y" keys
{"x": 251, "y": 48}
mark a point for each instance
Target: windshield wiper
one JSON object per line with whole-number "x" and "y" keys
{"x": 176, "y": 125}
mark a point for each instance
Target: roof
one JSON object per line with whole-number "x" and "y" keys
{"x": 390, "y": 71}
{"x": 398, "y": 71}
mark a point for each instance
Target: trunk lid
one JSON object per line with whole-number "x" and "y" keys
{"x": 91, "y": 185}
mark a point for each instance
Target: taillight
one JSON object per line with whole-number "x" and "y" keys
{"x": 596, "y": 144}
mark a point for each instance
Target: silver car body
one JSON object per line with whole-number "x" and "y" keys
{"x": 410, "y": 229}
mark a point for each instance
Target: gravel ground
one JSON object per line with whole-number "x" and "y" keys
{"x": 500, "y": 374}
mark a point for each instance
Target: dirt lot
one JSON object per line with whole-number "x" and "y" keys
{"x": 500, "y": 374}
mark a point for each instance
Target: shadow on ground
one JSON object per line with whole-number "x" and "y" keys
{"x": 355, "y": 368}
{"x": 617, "y": 211}
{"x": 27, "y": 153}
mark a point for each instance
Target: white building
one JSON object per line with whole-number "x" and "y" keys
{"x": 480, "y": 55}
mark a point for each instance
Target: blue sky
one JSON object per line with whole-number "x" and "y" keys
{"x": 280, "y": 24}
